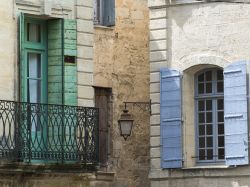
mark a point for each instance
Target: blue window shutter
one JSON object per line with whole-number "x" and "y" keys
{"x": 235, "y": 114}
{"x": 109, "y": 13}
{"x": 171, "y": 123}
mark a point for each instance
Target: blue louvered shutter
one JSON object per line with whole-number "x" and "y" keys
{"x": 109, "y": 13}
{"x": 171, "y": 123}
{"x": 235, "y": 114}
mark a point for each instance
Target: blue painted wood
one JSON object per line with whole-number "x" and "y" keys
{"x": 170, "y": 114}
{"x": 235, "y": 114}
{"x": 109, "y": 13}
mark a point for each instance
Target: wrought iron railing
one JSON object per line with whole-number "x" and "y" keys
{"x": 45, "y": 133}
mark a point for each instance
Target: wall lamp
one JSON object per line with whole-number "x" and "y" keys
{"x": 126, "y": 120}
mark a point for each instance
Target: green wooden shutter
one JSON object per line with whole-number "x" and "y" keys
{"x": 70, "y": 68}
{"x": 55, "y": 61}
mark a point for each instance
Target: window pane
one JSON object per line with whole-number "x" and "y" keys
{"x": 209, "y": 76}
{"x": 221, "y": 154}
{"x": 209, "y": 141}
{"x": 209, "y": 129}
{"x": 34, "y": 60}
{"x": 34, "y": 91}
{"x": 201, "y": 142}
{"x": 221, "y": 116}
{"x": 201, "y": 105}
{"x": 34, "y": 32}
{"x": 201, "y": 88}
{"x": 201, "y": 77}
{"x": 209, "y": 87}
{"x": 219, "y": 75}
{"x": 201, "y": 117}
{"x": 208, "y": 105}
{"x": 209, "y": 117}
{"x": 221, "y": 141}
{"x": 210, "y": 154}
{"x": 201, "y": 129}
{"x": 220, "y": 104}
{"x": 221, "y": 129}
{"x": 220, "y": 87}
{"x": 201, "y": 154}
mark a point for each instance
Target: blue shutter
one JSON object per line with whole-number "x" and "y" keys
{"x": 171, "y": 128}
{"x": 235, "y": 114}
{"x": 109, "y": 13}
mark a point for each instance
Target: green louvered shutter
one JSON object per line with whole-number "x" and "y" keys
{"x": 70, "y": 68}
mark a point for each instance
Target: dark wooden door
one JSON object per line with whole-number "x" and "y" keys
{"x": 103, "y": 102}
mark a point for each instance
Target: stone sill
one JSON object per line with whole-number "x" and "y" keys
{"x": 104, "y": 27}
{"x": 105, "y": 176}
{"x": 207, "y": 167}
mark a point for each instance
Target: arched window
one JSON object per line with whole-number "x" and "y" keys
{"x": 209, "y": 104}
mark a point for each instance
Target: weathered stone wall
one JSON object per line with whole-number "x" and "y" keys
{"x": 121, "y": 63}
{"x": 182, "y": 36}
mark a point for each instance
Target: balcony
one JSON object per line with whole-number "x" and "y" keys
{"x": 34, "y": 133}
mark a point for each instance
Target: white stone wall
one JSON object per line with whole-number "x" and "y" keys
{"x": 182, "y": 36}
{"x": 79, "y": 10}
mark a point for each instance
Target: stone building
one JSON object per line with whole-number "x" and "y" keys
{"x": 61, "y": 60}
{"x": 199, "y": 71}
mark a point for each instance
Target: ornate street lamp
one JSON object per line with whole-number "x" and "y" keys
{"x": 126, "y": 120}
{"x": 125, "y": 124}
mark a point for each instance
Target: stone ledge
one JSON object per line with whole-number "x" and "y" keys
{"x": 105, "y": 176}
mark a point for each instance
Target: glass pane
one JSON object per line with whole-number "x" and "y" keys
{"x": 221, "y": 129}
{"x": 221, "y": 116}
{"x": 201, "y": 105}
{"x": 219, "y": 75}
{"x": 201, "y": 129}
{"x": 220, "y": 104}
{"x": 201, "y": 117}
{"x": 208, "y": 105}
{"x": 221, "y": 154}
{"x": 201, "y": 77}
{"x": 220, "y": 87}
{"x": 34, "y": 60}
{"x": 209, "y": 141}
{"x": 209, "y": 129}
{"x": 221, "y": 141}
{"x": 208, "y": 87}
{"x": 210, "y": 154}
{"x": 209, "y": 76}
{"x": 209, "y": 117}
{"x": 34, "y": 91}
{"x": 201, "y": 88}
{"x": 201, "y": 142}
{"x": 34, "y": 32}
{"x": 201, "y": 154}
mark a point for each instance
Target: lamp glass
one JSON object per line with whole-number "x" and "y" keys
{"x": 126, "y": 127}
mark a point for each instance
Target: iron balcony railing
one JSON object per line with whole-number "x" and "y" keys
{"x": 46, "y": 133}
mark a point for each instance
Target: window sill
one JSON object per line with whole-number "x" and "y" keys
{"x": 104, "y": 27}
{"x": 208, "y": 167}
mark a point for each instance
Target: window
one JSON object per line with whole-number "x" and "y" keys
{"x": 210, "y": 116}
{"x": 104, "y": 12}
{"x": 211, "y": 127}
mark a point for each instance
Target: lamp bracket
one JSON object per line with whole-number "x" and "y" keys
{"x": 142, "y": 106}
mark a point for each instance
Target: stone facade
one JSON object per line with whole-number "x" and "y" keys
{"x": 189, "y": 36}
{"x": 121, "y": 63}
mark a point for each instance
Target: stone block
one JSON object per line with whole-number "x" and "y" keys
{"x": 85, "y": 39}
{"x": 155, "y": 152}
{"x": 158, "y": 56}
{"x": 156, "y": 66}
{"x": 85, "y": 65}
{"x": 85, "y": 26}
{"x": 155, "y": 77}
{"x": 152, "y": 3}
{"x": 85, "y": 52}
{"x": 155, "y": 120}
{"x": 155, "y": 131}
{"x": 85, "y": 13}
{"x": 85, "y": 79}
{"x": 85, "y": 92}
{"x": 158, "y": 45}
{"x": 158, "y": 24}
{"x": 158, "y": 34}
{"x": 158, "y": 13}
{"x": 155, "y": 88}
